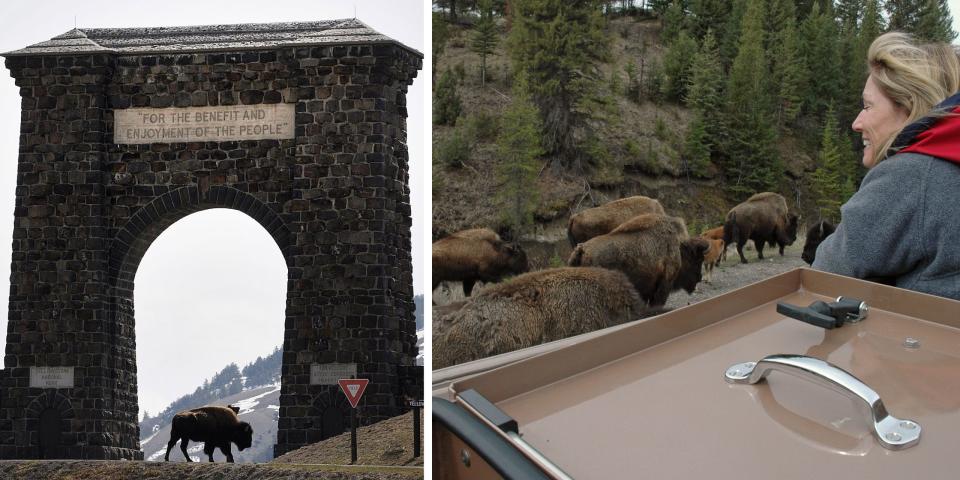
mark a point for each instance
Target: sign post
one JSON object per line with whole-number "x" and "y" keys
{"x": 416, "y": 405}
{"x": 353, "y": 388}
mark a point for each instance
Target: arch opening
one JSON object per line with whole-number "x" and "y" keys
{"x": 210, "y": 298}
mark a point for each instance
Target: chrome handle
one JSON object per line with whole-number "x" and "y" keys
{"x": 892, "y": 433}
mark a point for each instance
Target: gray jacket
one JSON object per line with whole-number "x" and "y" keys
{"x": 903, "y": 224}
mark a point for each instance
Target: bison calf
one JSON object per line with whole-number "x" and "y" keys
{"x": 716, "y": 234}
{"x": 475, "y": 255}
{"x": 653, "y": 251}
{"x": 712, "y": 258}
{"x": 815, "y": 235}
{"x": 215, "y": 426}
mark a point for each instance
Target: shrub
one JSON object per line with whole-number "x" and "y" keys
{"x": 453, "y": 150}
{"x": 482, "y": 126}
{"x": 446, "y": 100}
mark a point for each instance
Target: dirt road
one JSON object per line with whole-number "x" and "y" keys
{"x": 732, "y": 274}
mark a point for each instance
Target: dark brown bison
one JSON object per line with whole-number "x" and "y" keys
{"x": 815, "y": 235}
{"x": 654, "y": 252}
{"x": 763, "y": 218}
{"x": 597, "y": 221}
{"x": 215, "y": 426}
{"x": 531, "y": 309}
{"x": 475, "y": 255}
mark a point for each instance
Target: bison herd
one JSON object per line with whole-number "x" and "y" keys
{"x": 628, "y": 256}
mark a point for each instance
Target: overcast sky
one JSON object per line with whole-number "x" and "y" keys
{"x": 211, "y": 289}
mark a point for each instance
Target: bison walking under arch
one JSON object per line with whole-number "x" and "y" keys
{"x": 215, "y": 426}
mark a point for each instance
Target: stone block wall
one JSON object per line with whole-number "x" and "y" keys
{"x": 335, "y": 198}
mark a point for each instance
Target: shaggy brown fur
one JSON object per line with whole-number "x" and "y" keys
{"x": 215, "y": 426}
{"x": 763, "y": 218}
{"x": 596, "y": 221}
{"x": 475, "y": 255}
{"x": 652, "y": 250}
{"x": 531, "y": 309}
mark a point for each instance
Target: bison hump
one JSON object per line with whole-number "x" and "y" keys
{"x": 639, "y": 223}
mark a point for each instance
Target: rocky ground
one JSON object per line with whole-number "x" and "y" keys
{"x": 732, "y": 274}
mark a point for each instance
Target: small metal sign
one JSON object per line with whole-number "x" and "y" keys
{"x": 51, "y": 377}
{"x": 331, "y": 373}
{"x": 416, "y": 403}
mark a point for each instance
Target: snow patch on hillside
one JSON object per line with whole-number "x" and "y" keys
{"x": 247, "y": 405}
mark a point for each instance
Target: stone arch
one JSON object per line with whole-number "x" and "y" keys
{"x": 140, "y": 230}
{"x": 331, "y": 189}
{"x": 134, "y": 238}
{"x": 50, "y": 406}
{"x": 331, "y": 411}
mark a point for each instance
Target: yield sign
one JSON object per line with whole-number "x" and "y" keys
{"x": 353, "y": 388}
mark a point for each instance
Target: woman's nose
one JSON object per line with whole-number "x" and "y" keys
{"x": 857, "y": 123}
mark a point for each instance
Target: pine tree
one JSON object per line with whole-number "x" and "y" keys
{"x": 747, "y": 84}
{"x": 706, "y": 82}
{"x": 848, "y": 13}
{"x": 676, "y": 66}
{"x": 446, "y": 100}
{"x": 556, "y": 45}
{"x": 729, "y": 37}
{"x": 820, "y": 43}
{"x": 752, "y": 163}
{"x": 903, "y": 14}
{"x": 704, "y": 94}
{"x": 708, "y": 15}
{"x": 697, "y": 148}
{"x": 672, "y": 22}
{"x": 826, "y": 181}
{"x": 934, "y": 22}
{"x": 441, "y": 33}
{"x": 484, "y": 37}
{"x": 519, "y": 147}
{"x": 788, "y": 70}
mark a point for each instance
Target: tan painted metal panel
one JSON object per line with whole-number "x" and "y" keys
{"x": 651, "y": 399}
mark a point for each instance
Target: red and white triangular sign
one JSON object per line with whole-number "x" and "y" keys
{"x": 353, "y": 388}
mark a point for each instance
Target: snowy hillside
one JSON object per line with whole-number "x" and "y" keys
{"x": 259, "y": 402}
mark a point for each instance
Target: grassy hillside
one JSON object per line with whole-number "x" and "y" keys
{"x": 643, "y": 142}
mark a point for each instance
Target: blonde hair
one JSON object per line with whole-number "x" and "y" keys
{"x": 915, "y": 76}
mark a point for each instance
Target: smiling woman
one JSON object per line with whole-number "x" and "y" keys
{"x": 900, "y": 226}
{"x": 226, "y": 305}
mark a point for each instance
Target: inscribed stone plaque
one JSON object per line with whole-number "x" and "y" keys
{"x": 203, "y": 124}
{"x": 329, "y": 373}
{"x": 51, "y": 377}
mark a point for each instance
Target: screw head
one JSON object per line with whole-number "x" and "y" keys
{"x": 911, "y": 342}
